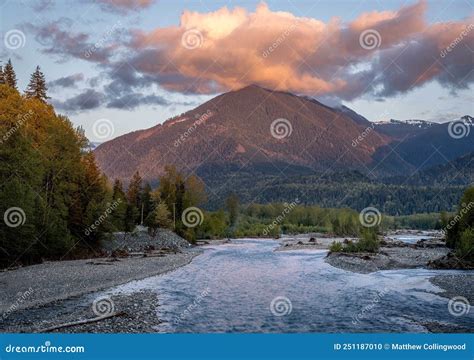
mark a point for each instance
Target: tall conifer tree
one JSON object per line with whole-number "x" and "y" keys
{"x": 9, "y": 74}
{"x": 37, "y": 87}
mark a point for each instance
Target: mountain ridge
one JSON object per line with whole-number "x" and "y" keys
{"x": 235, "y": 128}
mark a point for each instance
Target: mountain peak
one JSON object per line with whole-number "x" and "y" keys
{"x": 252, "y": 87}
{"x": 252, "y": 125}
{"x": 467, "y": 119}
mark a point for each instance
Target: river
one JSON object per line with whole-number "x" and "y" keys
{"x": 245, "y": 286}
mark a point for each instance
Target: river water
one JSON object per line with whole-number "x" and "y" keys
{"x": 245, "y": 286}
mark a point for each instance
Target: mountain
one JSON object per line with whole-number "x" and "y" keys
{"x": 247, "y": 127}
{"x": 401, "y": 129}
{"x": 93, "y": 145}
{"x": 423, "y": 144}
{"x": 459, "y": 171}
{"x": 333, "y": 157}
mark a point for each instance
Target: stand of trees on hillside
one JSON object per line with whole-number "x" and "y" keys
{"x": 460, "y": 228}
{"x": 50, "y": 187}
{"x": 55, "y": 202}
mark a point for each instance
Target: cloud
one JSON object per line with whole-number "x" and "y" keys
{"x": 87, "y": 100}
{"x": 213, "y": 52}
{"x": 57, "y": 39}
{"x": 66, "y": 81}
{"x": 122, "y": 6}
{"x": 42, "y": 5}
{"x": 133, "y": 100}
{"x": 234, "y": 48}
{"x": 90, "y": 99}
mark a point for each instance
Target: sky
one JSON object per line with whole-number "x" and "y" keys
{"x": 135, "y": 63}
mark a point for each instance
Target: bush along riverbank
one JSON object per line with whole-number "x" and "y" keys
{"x": 454, "y": 251}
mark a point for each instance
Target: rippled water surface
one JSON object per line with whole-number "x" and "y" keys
{"x": 230, "y": 288}
{"x": 410, "y": 238}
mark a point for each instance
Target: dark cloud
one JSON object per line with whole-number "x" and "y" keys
{"x": 131, "y": 101}
{"x": 87, "y": 100}
{"x": 122, "y": 6}
{"x": 66, "y": 82}
{"x": 42, "y": 5}
{"x": 57, "y": 39}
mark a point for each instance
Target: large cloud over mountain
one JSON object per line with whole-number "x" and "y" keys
{"x": 232, "y": 48}
{"x": 379, "y": 53}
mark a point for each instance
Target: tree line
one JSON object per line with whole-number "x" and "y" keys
{"x": 459, "y": 228}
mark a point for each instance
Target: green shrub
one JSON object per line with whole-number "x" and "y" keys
{"x": 336, "y": 247}
{"x": 369, "y": 241}
{"x": 465, "y": 246}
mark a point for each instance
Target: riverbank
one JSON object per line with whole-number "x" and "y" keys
{"x": 417, "y": 250}
{"x": 390, "y": 257}
{"x": 41, "y": 284}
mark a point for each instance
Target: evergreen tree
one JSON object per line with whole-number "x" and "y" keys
{"x": 134, "y": 194}
{"x": 146, "y": 201}
{"x": 2, "y": 76}
{"x": 232, "y": 204}
{"x": 37, "y": 86}
{"x": 9, "y": 74}
{"x": 118, "y": 217}
{"x": 160, "y": 217}
{"x": 117, "y": 192}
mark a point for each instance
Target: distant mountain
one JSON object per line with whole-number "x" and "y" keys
{"x": 249, "y": 126}
{"x": 459, "y": 171}
{"x": 401, "y": 129}
{"x": 93, "y": 145}
{"x": 422, "y": 144}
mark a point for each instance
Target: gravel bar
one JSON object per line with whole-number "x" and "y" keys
{"x": 51, "y": 281}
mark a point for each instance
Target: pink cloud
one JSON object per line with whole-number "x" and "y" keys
{"x": 234, "y": 47}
